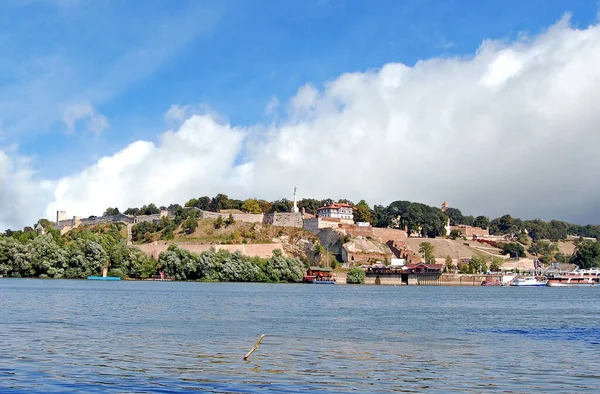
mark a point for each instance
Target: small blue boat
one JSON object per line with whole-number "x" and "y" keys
{"x": 104, "y": 277}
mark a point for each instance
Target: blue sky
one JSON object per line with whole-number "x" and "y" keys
{"x": 82, "y": 80}
{"x": 131, "y": 60}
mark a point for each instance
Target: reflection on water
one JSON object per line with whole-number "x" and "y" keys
{"x": 74, "y": 336}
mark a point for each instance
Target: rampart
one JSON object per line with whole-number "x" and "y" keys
{"x": 281, "y": 219}
{"x": 389, "y": 234}
{"x": 260, "y": 250}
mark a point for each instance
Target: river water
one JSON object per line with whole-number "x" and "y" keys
{"x": 88, "y": 336}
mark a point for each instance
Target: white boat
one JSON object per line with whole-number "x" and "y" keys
{"x": 528, "y": 281}
{"x": 575, "y": 278}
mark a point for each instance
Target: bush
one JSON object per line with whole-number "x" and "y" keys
{"x": 356, "y": 276}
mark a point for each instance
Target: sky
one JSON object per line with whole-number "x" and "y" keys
{"x": 491, "y": 106}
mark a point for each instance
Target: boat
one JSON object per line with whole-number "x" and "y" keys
{"x": 589, "y": 277}
{"x": 319, "y": 276}
{"x": 330, "y": 281}
{"x": 489, "y": 282}
{"x": 94, "y": 277}
{"x": 528, "y": 281}
{"x": 104, "y": 275}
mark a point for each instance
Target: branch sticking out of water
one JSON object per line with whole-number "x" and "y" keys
{"x": 255, "y": 347}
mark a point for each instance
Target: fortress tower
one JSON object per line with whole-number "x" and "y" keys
{"x": 60, "y": 215}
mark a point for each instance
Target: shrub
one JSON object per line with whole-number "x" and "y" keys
{"x": 356, "y": 276}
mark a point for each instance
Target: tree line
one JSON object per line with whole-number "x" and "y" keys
{"x": 84, "y": 251}
{"x": 222, "y": 266}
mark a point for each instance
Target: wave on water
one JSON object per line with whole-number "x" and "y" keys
{"x": 589, "y": 335}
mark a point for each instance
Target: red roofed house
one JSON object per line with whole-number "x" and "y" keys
{"x": 422, "y": 268}
{"x": 336, "y": 211}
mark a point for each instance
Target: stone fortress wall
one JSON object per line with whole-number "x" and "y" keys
{"x": 281, "y": 219}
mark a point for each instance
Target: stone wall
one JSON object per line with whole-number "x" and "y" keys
{"x": 286, "y": 219}
{"x": 260, "y": 250}
{"x": 355, "y": 231}
{"x": 238, "y": 217}
{"x": 389, "y": 234}
{"x": 469, "y": 231}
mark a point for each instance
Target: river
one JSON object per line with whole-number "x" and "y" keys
{"x": 161, "y": 337}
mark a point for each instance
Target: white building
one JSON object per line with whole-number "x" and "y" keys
{"x": 337, "y": 211}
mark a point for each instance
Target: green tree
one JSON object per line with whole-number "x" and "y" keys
{"x": 111, "y": 211}
{"x": 449, "y": 263}
{"x": 478, "y": 264}
{"x": 454, "y": 234}
{"x": 427, "y": 249}
{"x": 284, "y": 269}
{"x": 310, "y": 205}
{"x": 362, "y": 212}
{"x": 190, "y": 225}
{"x": 481, "y": 222}
{"x": 514, "y": 249}
{"x": 496, "y": 264}
{"x": 251, "y": 206}
{"x": 356, "y": 276}
{"x": 587, "y": 254}
{"x": 455, "y": 215}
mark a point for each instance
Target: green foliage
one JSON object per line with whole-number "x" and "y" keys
{"x": 190, "y": 225}
{"x": 310, "y": 205}
{"x": 454, "y": 234}
{"x": 478, "y": 264}
{"x": 251, "y": 206}
{"x": 543, "y": 247}
{"x": 587, "y": 254}
{"x": 111, "y": 211}
{"x": 231, "y": 267}
{"x": 77, "y": 254}
{"x": 514, "y": 249}
{"x": 418, "y": 218}
{"x": 456, "y": 217}
{"x": 283, "y": 205}
{"x": 496, "y": 264}
{"x": 449, "y": 263}
{"x": 219, "y": 222}
{"x": 427, "y": 249}
{"x": 356, "y": 276}
{"x": 229, "y": 221}
{"x": 481, "y": 222}
{"x": 362, "y": 212}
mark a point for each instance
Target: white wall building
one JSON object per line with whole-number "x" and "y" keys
{"x": 336, "y": 211}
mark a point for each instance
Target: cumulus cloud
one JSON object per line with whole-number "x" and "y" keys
{"x": 511, "y": 129}
{"x": 198, "y": 157}
{"x": 21, "y": 196}
{"x": 93, "y": 120}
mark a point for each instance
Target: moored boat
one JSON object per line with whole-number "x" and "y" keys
{"x": 575, "y": 278}
{"x": 93, "y": 277}
{"x": 528, "y": 281}
{"x": 319, "y": 275}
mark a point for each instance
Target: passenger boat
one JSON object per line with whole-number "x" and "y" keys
{"x": 575, "y": 278}
{"x": 319, "y": 276}
{"x": 528, "y": 281}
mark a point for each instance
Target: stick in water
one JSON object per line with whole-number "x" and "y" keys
{"x": 255, "y": 347}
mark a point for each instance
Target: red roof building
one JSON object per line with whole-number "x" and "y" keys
{"x": 337, "y": 210}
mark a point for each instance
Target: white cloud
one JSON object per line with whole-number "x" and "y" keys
{"x": 78, "y": 113}
{"x": 198, "y": 158}
{"x": 272, "y": 106}
{"x": 513, "y": 129}
{"x": 21, "y": 197}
